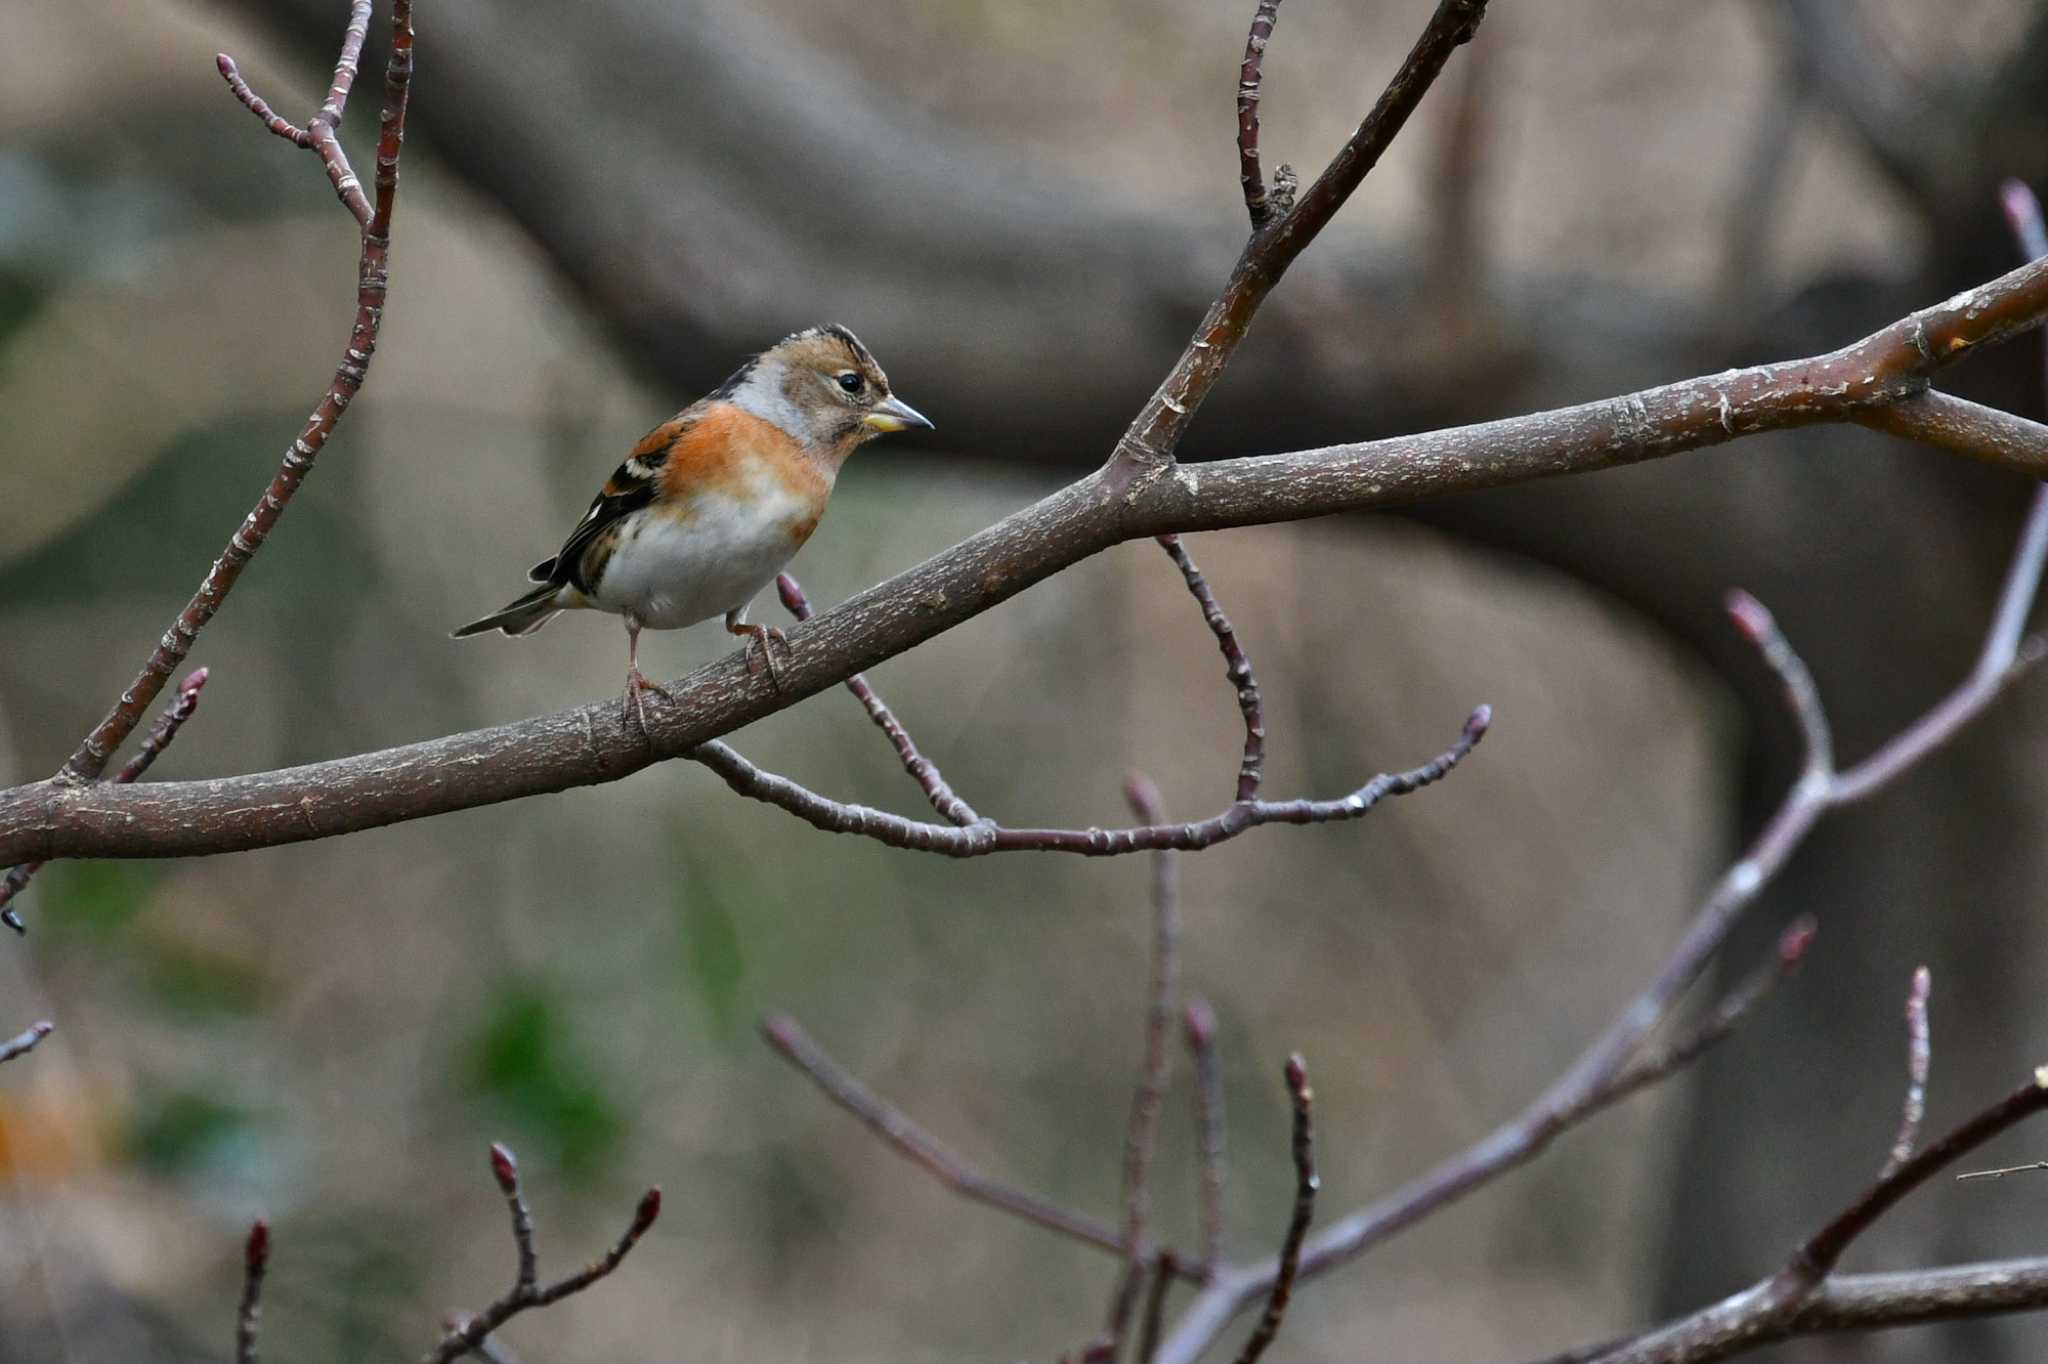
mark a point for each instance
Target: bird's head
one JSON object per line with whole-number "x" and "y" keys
{"x": 823, "y": 387}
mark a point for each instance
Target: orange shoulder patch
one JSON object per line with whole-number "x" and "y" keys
{"x": 657, "y": 442}
{"x": 719, "y": 449}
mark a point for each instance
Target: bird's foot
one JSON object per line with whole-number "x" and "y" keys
{"x": 633, "y": 704}
{"x": 767, "y": 636}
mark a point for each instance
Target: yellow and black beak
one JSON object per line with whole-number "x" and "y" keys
{"x": 893, "y": 414}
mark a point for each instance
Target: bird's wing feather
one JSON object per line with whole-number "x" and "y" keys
{"x": 632, "y": 486}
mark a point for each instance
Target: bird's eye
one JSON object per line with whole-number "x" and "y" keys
{"x": 852, "y": 381}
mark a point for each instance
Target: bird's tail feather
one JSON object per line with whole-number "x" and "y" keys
{"x": 522, "y": 617}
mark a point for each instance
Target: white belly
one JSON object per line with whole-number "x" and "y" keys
{"x": 675, "y": 573}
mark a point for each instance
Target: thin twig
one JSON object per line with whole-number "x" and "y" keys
{"x": 986, "y": 836}
{"x": 1733, "y": 1323}
{"x": 1236, "y": 666}
{"x": 255, "y": 1262}
{"x": 467, "y": 1334}
{"x": 158, "y": 739}
{"x": 1919, "y": 1053}
{"x": 2002, "y": 1171}
{"x": 1653, "y": 1066}
{"x": 1250, "y": 76}
{"x": 902, "y": 1133}
{"x": 1575, "y": 1095}
{"x": 922, "y": 770}
{"x": 256, "y": 104}
{"x": 26, "y": 1042}
{"x": 1198, "y": 1029}
{"x": 1165, "y": 1268}
{"x": 97, "y": 749}
{"x": 1150, "y": 440}
{"x": 1305, "y": 1186}
{"x": 1142, "y": 1133}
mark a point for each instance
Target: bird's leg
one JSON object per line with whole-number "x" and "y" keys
{"x": 736, "y": 624}
{"x": 636, "y": 681}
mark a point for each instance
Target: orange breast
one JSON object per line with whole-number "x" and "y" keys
{"x": 726, "y": 450}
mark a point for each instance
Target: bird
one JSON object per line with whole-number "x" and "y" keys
{"x": 712, "y": 503}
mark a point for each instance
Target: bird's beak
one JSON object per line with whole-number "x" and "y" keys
{"x": 893, "y": 414}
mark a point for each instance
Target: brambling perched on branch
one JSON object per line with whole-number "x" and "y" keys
{"x": 714, "y": 501}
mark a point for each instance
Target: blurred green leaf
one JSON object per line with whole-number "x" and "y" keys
{"x": 713, "y": 965}
{"x": 94, "y": 900}
{"x": 525, "y": 1065}
{"x": 196, "y": 981}
{"x": 178, "y": 1131}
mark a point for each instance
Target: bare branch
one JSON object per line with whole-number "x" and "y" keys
{"x": 1582, "y": 1089}
{"x": 1919, "y": 1053}
{"x": 1873, "y": 1302}
{"x": 1736, "y": 1323}
{"x": 26, "y": 1042}
{"x": 1305, "y": 1186}
{"x": 986, "y": 837}
{"x": 249, "y": 1315}
{"x": 1165, "y": 1267}
{"x": 895, "y": 1127}
{"x": 1651, "y": 1067}
{"x": 1142, "y": 1132}
{"x": 1236, "y": 666}
{"x": 467, "y": 1334}
{"x": 97, "y": 749}
{"x": 2002, "y": 1171}
{"x": 159, "y": 738}
{"x": 922, "y": 770}
{"x": 591, "y": 744}
{"x": 1198, "y": 1028}
{"x": 256, "y": 104}
{"x": 1249, "y": 77}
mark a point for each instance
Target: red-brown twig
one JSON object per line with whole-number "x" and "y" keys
{"x": 1305, "y": 1186}
{"x": 27, "y": 1041}
{"x": 986, "y": 836}
{"x": 1919, "y": 1054}
{"x": 1650, "y": 1067}
{"x": 468, "y": 1333}
{"x": 1575, "y": 1095}
{"x": 1733, "y": 1324}
{"x": 1250, "y": 76}
{"x": 97, "y": 749}
{"x": 154, "y": 743}
{"x": 911, "y": 1141}
{"x": 249, "y": 1315}
{"x": 1142, "y": 1133}
{"x": 1198, "y": 1029}
{"x": 944, "y": 800}
{"x": 257, "y": 105}
{"x": 1148, "y": 443}
{"x": 1237, "y": 666}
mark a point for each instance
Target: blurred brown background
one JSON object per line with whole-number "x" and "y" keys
{"x": 1023, "y": 209}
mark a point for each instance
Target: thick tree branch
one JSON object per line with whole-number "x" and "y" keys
{"x": 159, "y": 738}
{"x": 588, "y": 745}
